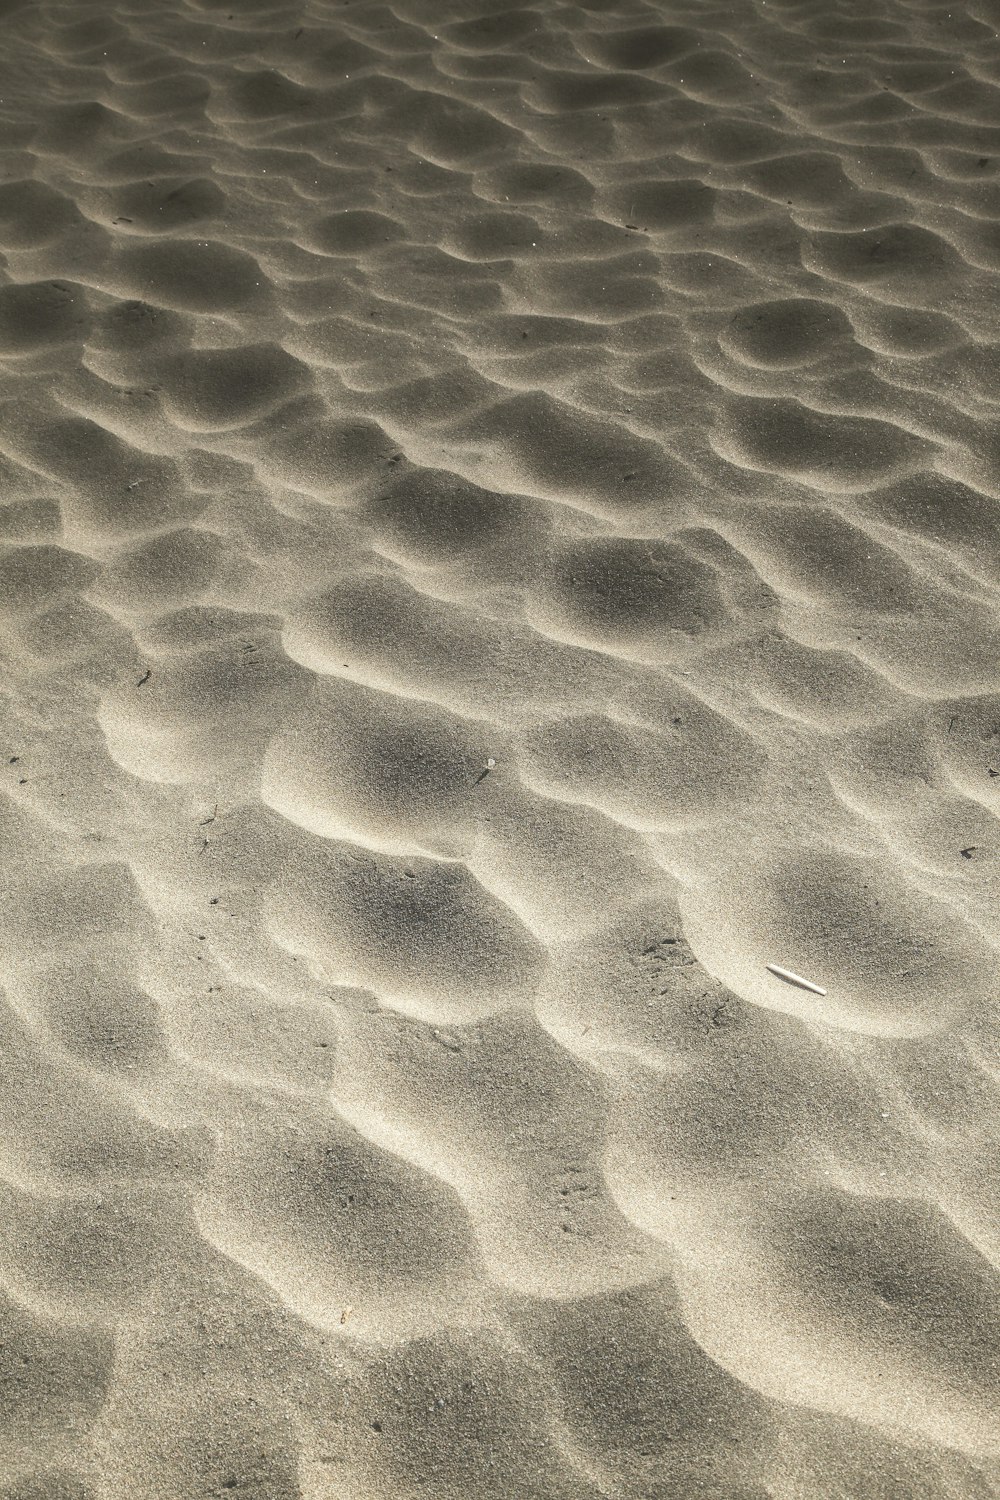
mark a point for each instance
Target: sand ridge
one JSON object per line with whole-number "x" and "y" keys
{"x": 498, "y": 544}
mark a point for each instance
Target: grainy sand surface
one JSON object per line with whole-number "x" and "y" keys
{"x": 499, "y": 543}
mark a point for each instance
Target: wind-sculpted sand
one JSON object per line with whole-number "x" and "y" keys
{"x": 499, "y": 544}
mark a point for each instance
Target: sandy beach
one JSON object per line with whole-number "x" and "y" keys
{"x": 499, "y": 545}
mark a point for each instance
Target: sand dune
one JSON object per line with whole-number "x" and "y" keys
{"x": 498, "y": 545}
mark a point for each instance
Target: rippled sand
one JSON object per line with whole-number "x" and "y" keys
{"x": 499, "y": 543}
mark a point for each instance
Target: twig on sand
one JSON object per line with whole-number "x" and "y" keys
{"x": 790, "y": 978}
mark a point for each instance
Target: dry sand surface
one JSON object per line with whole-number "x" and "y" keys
{"x": 499, "y": 543}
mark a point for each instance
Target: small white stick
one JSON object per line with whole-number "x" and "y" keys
{"x": 790, "y": 978}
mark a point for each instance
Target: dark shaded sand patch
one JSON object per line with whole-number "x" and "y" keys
{"x": 640, "y": 47}
{"x": 193, "y": 627}
{"x": 90, "y": 901}
{"x": 784, "y": 436}
{"x": 75, "y": 631}
{"x": 146, "y": 161}
{"x": 325, "y": 456}
{"x": 51, "y": 1484}
{"x": 33, "y": 213}
{"x": 31, "y": 577}
{"x": 902, "y": 252}
{"x": 813, "y": 179}
{"x": 89, "y": 34}
{"x": 164, "y": 571}
{"x": 936, "y": 509}
{"x": 345, "y": 55}
{"x": 214, "y": 389}
{"x": 757, "y": 1084}
{"x": 894, "y": 961}
{"x": 563, "y": 93}
{"x": 208, "y": 712}
{"x": 434, "y": 399}
{"x": 134, "y": 327}
{"x": 156, "y": 99}
{"x": 710, "y": 73}
{"x": 32, "y": 521}
{"x": 557, "y": 863}
{"x": 355, "y": 231}
{"x": 493, "y": 236}
{"x": 193, "y": 1433}
{"x": 536, "y": 182}
{"x": 830, "y": 689}
{"x": 433, "y": 940}
{"x": 462, "y": 1413}
{"x": 687, "y": 766}
{"x": 452, "y": 132}
{"x": 665, "y": 203}
{"x": 556, "y": 451}
{"x": 428, "y": 277}
{"x": 973, "y": 98}
{"x": 727, "y": 141}
{"x": 536, "y": 1112}
{"x": 377, "y": 765}
{"x": 52, "y": 1375}
{"x": 101, "y": 474}
{"x": 490, "y": 33}
{"x": 612, "y": 289}
{"x": 66, "y": 1131}
{"x": 99, "y": 1014}
{"x": 265, "y": 94}
{"x": 900, "y": 1300}
{"x": 432, "y": 517}
{"x": 169, "y": 204}
{"x": 392, "y": 634}
{"x": 639, "y": 1394}
{"x": 815, "y": 551}
{"x": 91, "y": 1260}
{"x": 69, "y": 130}
{"x": 614, "y": 590}
{"x": 506, "y": 333}
{"x": 328, "y": 1218}
{"x": 784, "y": 334}
{"x": 40, "y": 314}
{"x": 193, "y": 276}
{"x": 699, "y": 274}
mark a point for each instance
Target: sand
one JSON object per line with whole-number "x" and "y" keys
{"x": 499, "y": 544}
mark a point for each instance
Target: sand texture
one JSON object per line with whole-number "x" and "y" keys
{"x": 499, "y": 543}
